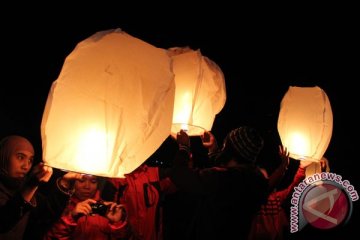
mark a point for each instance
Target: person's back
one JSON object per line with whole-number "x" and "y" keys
{"x": 226, "y": 210}
{"x": 231, "y": 193}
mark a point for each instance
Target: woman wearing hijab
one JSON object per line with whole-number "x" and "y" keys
{"x": 24, "y": 212}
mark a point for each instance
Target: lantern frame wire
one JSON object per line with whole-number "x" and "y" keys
{"x": 192, "y": 130}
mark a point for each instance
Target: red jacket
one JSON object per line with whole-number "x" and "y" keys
{"x": 271, "y": 222}
{"x": 86, "y": 227}
{"x": 141, "y": 191}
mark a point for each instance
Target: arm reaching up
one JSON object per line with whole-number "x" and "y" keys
{"x": 279, "y": 172}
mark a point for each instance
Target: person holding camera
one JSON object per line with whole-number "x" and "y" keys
{"x": 88, "y": 217}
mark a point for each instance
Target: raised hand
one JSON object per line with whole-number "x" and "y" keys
{"x": 41, "y": 173}
{"x": 182, "y": 138}
{"x": 69, "y": 177}
{"x": 279, "y": 172}
{"x": 284, "y": 155}
{"x": 209, "y": 141}
{"x": 116, "y": 212}
{"x": 83, "y": 207}
{"x": 324, "y": 164}
{"x": 72, "y": 176}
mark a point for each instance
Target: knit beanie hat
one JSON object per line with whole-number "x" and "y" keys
{"x": 245, "y": 142}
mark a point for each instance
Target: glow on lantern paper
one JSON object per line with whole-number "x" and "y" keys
{"x": 305, "y": 122}
{"x": 111, "y": 106}
{"x": 200, "y": 91}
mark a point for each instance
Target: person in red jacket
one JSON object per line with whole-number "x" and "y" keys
{"x": 271, "y": 222}
{"x": 87, "y": 217}
{"x": 141, "y": 192}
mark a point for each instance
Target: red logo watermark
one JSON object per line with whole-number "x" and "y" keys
{"x": 325, "y": 206}
{"x": 323, "y": 201}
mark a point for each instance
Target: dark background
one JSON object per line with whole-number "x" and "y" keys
{"x": 262, "y": 50}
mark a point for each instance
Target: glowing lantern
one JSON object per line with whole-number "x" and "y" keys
{"x": 111, "y": 106}
{"x": 305, "y": 122}
{"x": 200, "y": 91}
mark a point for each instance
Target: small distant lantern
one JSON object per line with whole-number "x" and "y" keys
{"x": 111, "y": 106}
{"x": 200, "y": 91}
{"x": 305, "y": 122}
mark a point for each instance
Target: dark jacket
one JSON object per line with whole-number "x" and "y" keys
{"x": 228, "y": 198}
{"x": 22, "y": 220}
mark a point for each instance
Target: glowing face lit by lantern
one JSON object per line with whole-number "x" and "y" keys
{"x": 200, "y": 91}
{"x": 305, "y": 122}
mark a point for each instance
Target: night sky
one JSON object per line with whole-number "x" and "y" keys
{"x": 261, "y": 54}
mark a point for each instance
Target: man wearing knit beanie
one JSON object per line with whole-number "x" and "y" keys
{"x": 242, "y": 144}
{"x": 229, "y": 194}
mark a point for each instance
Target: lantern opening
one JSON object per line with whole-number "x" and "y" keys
{"x": 195, "y": 130}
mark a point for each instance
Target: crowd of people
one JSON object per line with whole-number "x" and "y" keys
{"x": 233, "y": 197}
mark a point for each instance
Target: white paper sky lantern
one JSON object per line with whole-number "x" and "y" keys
{"x": 111, "y": 106}
{"x": 305, "y": 122}
{"x": 200, "y": 91}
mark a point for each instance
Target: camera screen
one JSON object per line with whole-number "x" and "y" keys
{"x": 99, "y": 208}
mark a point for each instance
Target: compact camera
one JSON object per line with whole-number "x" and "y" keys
{"x": 99, "y": 208}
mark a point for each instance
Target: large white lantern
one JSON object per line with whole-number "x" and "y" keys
{"x": 200, "y": 91}
{"x": 305, "y": 122}
{"x": 111, "y": 106}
